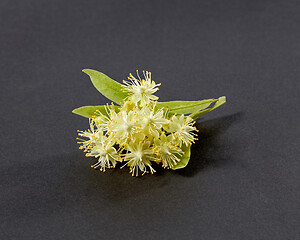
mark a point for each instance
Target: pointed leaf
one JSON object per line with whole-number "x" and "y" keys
{"x": 219, "y": 102}
{"x": 105, "y": 85}
{"x": 185, "y": 107}
{"x": 185, "y": 158}
{"x": 89, "y": 111}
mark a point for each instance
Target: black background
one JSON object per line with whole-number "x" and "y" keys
{"x": 242, "y": 181}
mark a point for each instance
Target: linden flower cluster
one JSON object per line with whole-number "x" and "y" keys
{"x": 137, "y": 133}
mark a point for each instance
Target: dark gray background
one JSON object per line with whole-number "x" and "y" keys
{"x": 242, "y": 181}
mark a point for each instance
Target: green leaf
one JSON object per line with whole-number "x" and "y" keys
{"x": 185, "y": 107}
{"x": 220, "y": 101}
{"x": 185, "y": 158}
{"x": 89, "y": 111}
{"x": 105, "y": 85}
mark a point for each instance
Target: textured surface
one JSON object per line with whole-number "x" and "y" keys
{"x": 243, "y": 178}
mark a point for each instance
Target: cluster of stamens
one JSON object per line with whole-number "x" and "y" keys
{"x": 137, "y": 132}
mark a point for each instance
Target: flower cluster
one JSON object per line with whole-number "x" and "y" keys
{"x": 137, "y": 133}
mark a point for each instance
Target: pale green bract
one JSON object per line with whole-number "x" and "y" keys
{"x": 139, "y": 130}
{"x": 105, "y": 85}
{"x": 185, "y": 158}
{"x": 89, "y": 111}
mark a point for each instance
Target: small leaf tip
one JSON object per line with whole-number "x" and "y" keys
{"x": 223, "y": 99}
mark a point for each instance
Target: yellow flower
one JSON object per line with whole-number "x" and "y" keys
{"x": 105, "y": 152}
{"x": 93, "y": 135}
{"x": 123, "y": 126}
{"x": 139, "y": 156}
{"x": 182, "y": 130}
{"x": 141, "y": 90}
{"x": 101, "y": 120}
{"x": 168, "y": 152}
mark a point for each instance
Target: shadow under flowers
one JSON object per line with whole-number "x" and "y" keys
{"x": 115, "y": 185}
{"x": 210, "y": 150}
